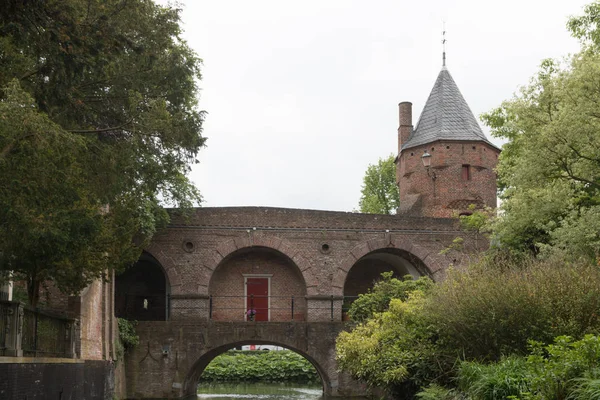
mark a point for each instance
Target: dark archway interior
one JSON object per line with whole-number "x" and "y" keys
{"x": 191, "y": 383}
{"x": 141, "y": 291}
{"x": 367, "y": 270}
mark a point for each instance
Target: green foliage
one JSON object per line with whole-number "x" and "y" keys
{"x": 437, "y": 392}
{"x": 98, "y": 125}
{"x": 586, "y": 27}
{"x": 480, "y": 314}
{"x": 127, "y": 333}
{"x": 379, "y": 193}
{"x": 503, "y": 380}
{"x": 395, "y": 349}
{"x": 268, "y": 366}
{"x": 378, "y": 298}
{"x": 491, "y": 310}
{"x": 566, "y": 369}
{"x": 549, "y": 171}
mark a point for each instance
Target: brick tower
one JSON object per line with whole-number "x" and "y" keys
{"x": 445, "y": 163}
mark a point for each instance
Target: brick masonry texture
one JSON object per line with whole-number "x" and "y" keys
{"x": 315, "y": 249}
{"x": 191, "y": 346}
{"x": 449, "y": 193}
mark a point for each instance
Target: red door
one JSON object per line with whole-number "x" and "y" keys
{"x": 257, "y": 301}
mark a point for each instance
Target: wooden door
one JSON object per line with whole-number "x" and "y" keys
{"x": 257, "y": 299}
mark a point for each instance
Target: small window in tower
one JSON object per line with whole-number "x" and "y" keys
{"x": 433, "y": 148}
{"x": 466, "y": 172}
{"x": 447, "y": 147}
{"x": 412, "y": 154}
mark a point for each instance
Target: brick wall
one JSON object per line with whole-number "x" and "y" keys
{"x": 450, "y": 192}
{"x": 227, "y": 285}
{"x": 308, "y": 253}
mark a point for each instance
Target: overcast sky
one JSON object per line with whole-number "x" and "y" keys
{"x": 302, "y": 96}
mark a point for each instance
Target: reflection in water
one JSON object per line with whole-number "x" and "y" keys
{"x": 263, "y": 391}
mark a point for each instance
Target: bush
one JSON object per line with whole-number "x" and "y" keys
{"x": 437, "y": 392}
{"x": 270, "y": 366}
{"x": 484, "y": 314}
{"x": 388, "y": 288}
{"x": 495, "y": 381}
{"x": 394, "y": 350}
{"x": 563, "y": 370}
{"x": 493, "y": 310}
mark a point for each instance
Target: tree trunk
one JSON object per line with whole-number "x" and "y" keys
{"x": 33, "y": 290}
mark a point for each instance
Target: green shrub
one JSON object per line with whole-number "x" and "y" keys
{"x": 562, "y": 370}
{"x": 394, "y": 350}
{"x": 388, "y": 288}
{"x": 437, "y": 392}
{"x": 495, "y": 381}
{"x": 127, "y": 333}
{"x": 489, "y": 311}
{"x": 587, "y": 389}
{"x": 269, "y": 366}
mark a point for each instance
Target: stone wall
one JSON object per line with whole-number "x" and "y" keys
{"x": 172, "y": 355}
{"x": 65, "y": 379}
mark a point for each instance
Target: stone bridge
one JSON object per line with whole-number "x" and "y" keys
{"x": 225, "y": 277}
{"x": 172, "y": 355}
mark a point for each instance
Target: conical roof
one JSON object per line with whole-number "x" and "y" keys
{"x": 446, "y": 116}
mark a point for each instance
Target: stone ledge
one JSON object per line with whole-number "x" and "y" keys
{"x": 39, "y": 360}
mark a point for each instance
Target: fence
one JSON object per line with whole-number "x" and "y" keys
{"x": 34, "y": 333}
{"x": 276, "y": 308}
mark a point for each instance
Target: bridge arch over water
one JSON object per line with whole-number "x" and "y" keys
{"x": 193, "y": 377}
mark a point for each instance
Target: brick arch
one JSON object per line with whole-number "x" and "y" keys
{"x": 282, "y": 246}
{"x": 428, "y": 259}
{"x": 171, "y": 274}
{"x": 192, "y": 379}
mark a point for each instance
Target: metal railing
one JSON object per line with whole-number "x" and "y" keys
{"x": 257, "y": 308}
{"x": 260, "y": 308}
{"x": 35, "y": 333}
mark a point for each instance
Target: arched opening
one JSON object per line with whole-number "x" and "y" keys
{"x": 195, "y": 383}
{"x": 257, "y": 284}
{"x": 368, "y": 269}
{"x": 141, "y": 291}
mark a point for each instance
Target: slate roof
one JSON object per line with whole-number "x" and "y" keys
{"x": 446, "y": 116}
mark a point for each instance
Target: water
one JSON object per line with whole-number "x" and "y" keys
{"x": 262, "y": 391}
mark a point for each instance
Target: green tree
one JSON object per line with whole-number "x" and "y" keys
{"x": 98, "y": 126}
{"x": 549, "y": 170}
{"x": 379, "y": 193}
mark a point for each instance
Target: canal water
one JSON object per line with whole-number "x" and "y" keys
{"x": 262, "y": 391}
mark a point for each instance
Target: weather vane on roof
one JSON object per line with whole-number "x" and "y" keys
{"x": 444, "y": 44}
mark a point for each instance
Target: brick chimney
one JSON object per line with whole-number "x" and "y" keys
{"x": 406, "y": 127}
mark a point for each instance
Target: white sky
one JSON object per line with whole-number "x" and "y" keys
{"x": 301, "y": 96}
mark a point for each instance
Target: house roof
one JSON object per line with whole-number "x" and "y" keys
{"x": 446, "y": 116}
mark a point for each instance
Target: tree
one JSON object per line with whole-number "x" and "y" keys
{"x": 549, "y": 170}
{"x": 98, "y": 125}
{"x": 379, "y": 193}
